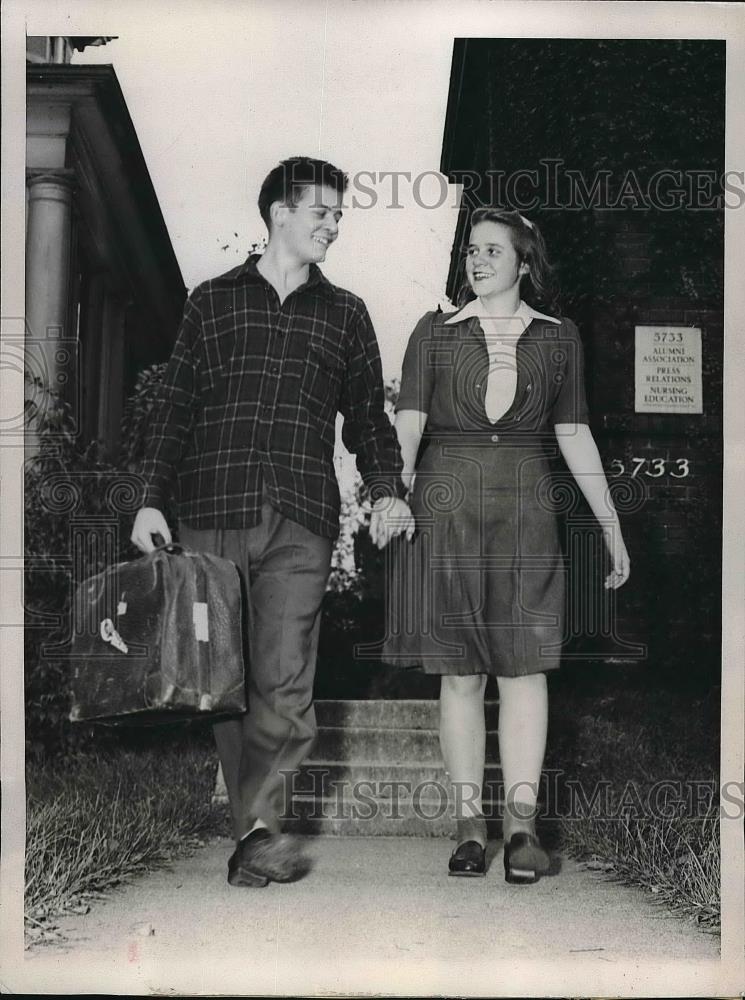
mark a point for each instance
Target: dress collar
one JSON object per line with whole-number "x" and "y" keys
{"x": 476, "y": 308}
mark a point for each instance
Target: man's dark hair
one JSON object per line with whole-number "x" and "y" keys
{"x": 290, "y": 177}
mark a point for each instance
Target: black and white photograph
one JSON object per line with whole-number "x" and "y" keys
{"x": 372, "y": 532}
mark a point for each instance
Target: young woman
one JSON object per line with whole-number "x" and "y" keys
{"x": 487, "y": 393}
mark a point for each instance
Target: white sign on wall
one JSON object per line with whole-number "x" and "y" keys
{"x": 668, "y": 370}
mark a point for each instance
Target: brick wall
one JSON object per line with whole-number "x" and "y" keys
{"x": 671, "y": 605}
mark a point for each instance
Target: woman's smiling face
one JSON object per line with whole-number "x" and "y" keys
{"x": 492, "y": 263}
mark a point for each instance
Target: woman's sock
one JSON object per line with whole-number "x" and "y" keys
{"x": 472, "y": 828}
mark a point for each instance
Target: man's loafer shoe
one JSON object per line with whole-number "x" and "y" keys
{"x": 468, "y": 859}
{"x": 524, "y": 859}
{"x": 264, "y": 857}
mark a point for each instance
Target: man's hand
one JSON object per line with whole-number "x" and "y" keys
{"x": 149, "y": 522}
{"x": 390, "y": 517}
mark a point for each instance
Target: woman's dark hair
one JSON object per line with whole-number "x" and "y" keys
{"x": 531, "y": 250}
{"x": 290, "y": 177}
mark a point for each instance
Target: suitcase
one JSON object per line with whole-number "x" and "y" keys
{"x": 158, "y": 639}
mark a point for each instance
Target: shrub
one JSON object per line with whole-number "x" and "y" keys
{"x": 136, "y": 416}
{"x": 77, "y": 508}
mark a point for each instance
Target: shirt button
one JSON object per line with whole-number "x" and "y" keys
{"x": 495, "y": 438}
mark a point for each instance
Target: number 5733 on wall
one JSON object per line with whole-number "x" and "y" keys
{"x": 678, "y": 468}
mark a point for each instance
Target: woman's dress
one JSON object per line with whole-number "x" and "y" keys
{"x": 481, "y": 588}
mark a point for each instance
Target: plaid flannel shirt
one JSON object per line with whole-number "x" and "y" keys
{"x": 249, "y": 403}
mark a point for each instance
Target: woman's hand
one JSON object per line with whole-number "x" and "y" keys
{"x": 580, "y": 453}
{"x": 619, "y": 556}
{"x": 390, "y": 517}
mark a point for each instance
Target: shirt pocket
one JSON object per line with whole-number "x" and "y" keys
{"x": 223, "y": 357}
{"x": 323, "y": 374}
{"x": 208, "y": 435}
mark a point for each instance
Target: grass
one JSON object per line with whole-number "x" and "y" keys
{"x": 655, "y": 825}
{"x": 677, "y": 861}
{"x": 94, "y": 820}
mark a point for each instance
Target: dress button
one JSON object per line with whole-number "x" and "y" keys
{"x": 495, "y": 438}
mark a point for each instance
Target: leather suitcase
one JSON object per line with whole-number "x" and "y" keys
{"x": 158, "y": 639}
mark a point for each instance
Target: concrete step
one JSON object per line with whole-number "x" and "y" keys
{"x": 389, "y": 714}
{"x": 376, "y": 769}
{"x": 324, "y": 777}
{"x": 414, "y": 799}
{"x": 384, "y": 746}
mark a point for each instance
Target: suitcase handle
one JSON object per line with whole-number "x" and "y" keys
{"x": 173, "y": 548}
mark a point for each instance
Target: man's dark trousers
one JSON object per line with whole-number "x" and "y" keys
{"x": 285, "y": 568}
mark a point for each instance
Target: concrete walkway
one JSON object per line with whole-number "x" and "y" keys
{"x": 380, "y": 915}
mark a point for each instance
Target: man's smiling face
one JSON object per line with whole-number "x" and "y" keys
{"x": 311, "y": 225}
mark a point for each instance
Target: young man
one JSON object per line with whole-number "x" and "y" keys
{"x": 266, "y": 356}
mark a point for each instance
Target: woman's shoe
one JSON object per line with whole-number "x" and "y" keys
{"x": 468, "y": 858}
{"x": 524, "y": 859}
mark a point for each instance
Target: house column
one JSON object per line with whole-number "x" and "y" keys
{"x": 48, "y": 266}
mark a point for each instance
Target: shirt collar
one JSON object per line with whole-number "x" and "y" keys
{"x": 476, "y": 308}
{"x": 316, "y": 277}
